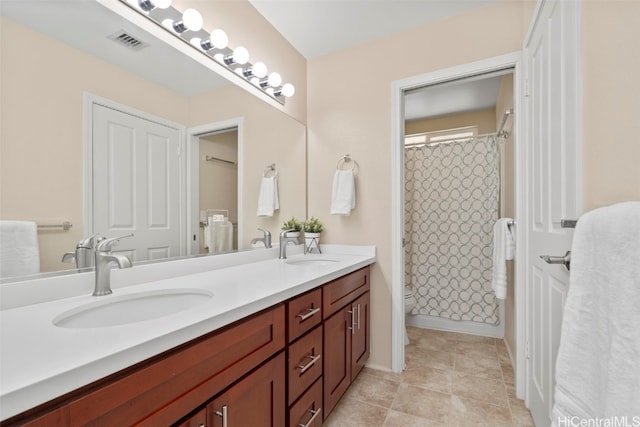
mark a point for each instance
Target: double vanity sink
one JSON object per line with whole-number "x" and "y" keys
{"x": 53, "y": 346}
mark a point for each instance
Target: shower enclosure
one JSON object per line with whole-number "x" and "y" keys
{"x": 452, "y": 200}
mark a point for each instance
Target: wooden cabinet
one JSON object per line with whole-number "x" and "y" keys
{"x": 257, "y": 400}
{"x": 287, "y": 365}
{"x": 346, "y": 334}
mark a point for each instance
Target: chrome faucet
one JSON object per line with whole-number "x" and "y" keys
{"x": 266, "y": 238}
{"x": 84, "y": 255}
{"x": 283, "y": 243}
{"x": 105, "y": 260}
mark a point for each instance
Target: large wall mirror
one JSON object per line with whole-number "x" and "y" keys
{"x": 58, "y": 58}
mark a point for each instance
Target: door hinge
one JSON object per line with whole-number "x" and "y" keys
{"x": 526, "y": 87}
{"x": 526, "y": 351}
{"x": 179, "y": 151}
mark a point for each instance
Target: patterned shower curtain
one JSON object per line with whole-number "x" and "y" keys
{"x": 451, "y": 203}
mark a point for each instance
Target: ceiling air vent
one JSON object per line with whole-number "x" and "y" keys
{"x": 127, "y": 40}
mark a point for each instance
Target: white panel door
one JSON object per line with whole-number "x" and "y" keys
{"x": 136, "y": 183}
{"x": 553, "y": 182}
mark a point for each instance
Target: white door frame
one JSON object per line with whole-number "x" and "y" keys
{"x": 193, "y": 178}
{"x": 511, "y": 60}
{"x": 89, "y": 100}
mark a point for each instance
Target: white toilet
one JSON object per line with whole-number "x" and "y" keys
{"x": 409, "y": 303}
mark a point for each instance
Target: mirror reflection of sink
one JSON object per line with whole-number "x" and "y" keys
{"x": 311, "y": 262}
{"x": 131, "y": 308}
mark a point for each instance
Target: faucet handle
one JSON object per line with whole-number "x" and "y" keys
{"x": 104, "y": 245}
{"x": 90, "y": 242}
{"x": 284, "y": 232}
{"x": 266, "y": 232}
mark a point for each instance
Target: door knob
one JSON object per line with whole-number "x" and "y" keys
{"x": 565, "y": 260}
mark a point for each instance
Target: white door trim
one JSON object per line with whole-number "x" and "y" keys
{"x": 193, "y": 178}
{"x": 511, "y": 60}
{"x": 89, "y": 100}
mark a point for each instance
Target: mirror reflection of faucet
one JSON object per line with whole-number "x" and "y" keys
{"x": 84, "y": 255}
{"x": 266, "y": 238}
{"x": 104, "y": 261}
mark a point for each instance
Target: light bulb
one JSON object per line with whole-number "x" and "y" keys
{"x": 192, "y": 19}
{"x": 259, "y": 70}
{"x": 288, "y": 90}
{"x": 275, "y": 79}
{"x": 162, "y": 4}
{"x": 219, "y": 39}
{"x": 240, "y": 55}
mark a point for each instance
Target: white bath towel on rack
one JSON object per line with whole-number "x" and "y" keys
{"x": 343, "y": 196}
{"x": 19, "y": 251}
{"x": 503, "y": 250}
{"x": 268, "y": 200}
{"x": 597, "y": 369}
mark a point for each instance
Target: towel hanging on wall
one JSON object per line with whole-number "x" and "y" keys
{"x": 19, "y": 252}
{"x": 343, "y": 195}
{"x": 268, "y": 200}
{"x": 503, "y": 250}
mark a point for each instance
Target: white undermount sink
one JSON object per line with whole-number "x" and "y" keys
{"x": 311, "y": 262}
{"x": 123, "y": 309}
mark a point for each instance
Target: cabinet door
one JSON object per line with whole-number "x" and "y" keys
{"x": 360, "y": 336}
{"x": 199, "y": 419}
{"x": 257, "y": 400}
{"x": 337, "y": 357}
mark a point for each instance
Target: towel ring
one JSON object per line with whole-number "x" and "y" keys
{"x": 268, "y": 169}
{"x": 347, "y": 159}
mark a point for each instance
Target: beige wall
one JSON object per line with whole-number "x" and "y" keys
{"x": 484, "y": 119}
{"x": 610, "y": 102}
{"x": 350, "y": 112}
{"x": 505, "y": 102}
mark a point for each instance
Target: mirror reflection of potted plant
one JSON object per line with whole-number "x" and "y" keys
{"x": 292, "y": 224}
{"x": 312, "y": 229}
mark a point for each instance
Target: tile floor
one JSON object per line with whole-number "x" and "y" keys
{"x": 451, "y": 380}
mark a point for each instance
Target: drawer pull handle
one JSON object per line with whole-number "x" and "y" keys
{"x": 313, "y": 417}
{"x": 304, "y": 368}
{"x": 223, "y": 414}
{"x": 310, "y": 312}
{"x": 352, "y": 328}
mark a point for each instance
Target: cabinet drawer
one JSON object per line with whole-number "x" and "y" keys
{"x": 342, "y": 291}
{"x": 303, "y": 313}
{"x": 304, "y": 363}
{"x": 307, "y": 411}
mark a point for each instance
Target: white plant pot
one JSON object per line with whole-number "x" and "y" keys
{"x": 311, "y": 241}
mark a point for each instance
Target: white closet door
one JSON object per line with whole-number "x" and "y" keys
{"x": 136, "y": 183}
{"x": 553, "y": 188}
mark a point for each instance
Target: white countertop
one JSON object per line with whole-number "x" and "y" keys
{"x": 40, "y": 361}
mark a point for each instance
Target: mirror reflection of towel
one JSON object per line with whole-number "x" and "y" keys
{"x": 343, "y": 197}
{"x": 268, "y": 200}
{"x": 19, "y": 252}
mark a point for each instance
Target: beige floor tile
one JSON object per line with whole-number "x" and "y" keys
{"x": 385, "y": 375}
{"x": 503, "y": 353}
{"x": 469, "y": 412}
{"x": 470, "y": 349}
{"x": 354, "y": 413}
{"x": 419, "y": 357}
{"x": 424, "y": 403}
{"x": 425, "y": 377}
{"x": 473, "y": 338}
{"x": 507, "y": 374}
{"x": 436, "y": 342}
{"x": 373, "y": 390}
{"x": 520, "y": 413}
{"x": 483, "y": 389}
{"x": 478, "y": 366}
{"x": 400, "y": 419}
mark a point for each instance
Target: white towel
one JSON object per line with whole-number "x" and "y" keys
{"x": 343, "y": 196}
{"x": 19, "y": 252}
{"x": 268, "y": 200}
{"x": 503, "y": 250}
{"x": 598, "y": 366}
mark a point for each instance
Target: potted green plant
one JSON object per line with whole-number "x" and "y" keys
{"x": 292, "y": 224}
{"x": 312, "y": 229}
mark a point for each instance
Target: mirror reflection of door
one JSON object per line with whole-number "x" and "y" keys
{"x": 218, "y": 183}
{"x": 136, "y": 183}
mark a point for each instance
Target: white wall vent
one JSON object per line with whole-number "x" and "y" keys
{"x": 127, "y": 40}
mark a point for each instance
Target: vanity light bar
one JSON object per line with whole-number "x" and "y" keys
{"x": 187, "y": 26}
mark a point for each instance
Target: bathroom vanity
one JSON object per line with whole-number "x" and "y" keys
{"x": 279, "y": 340}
